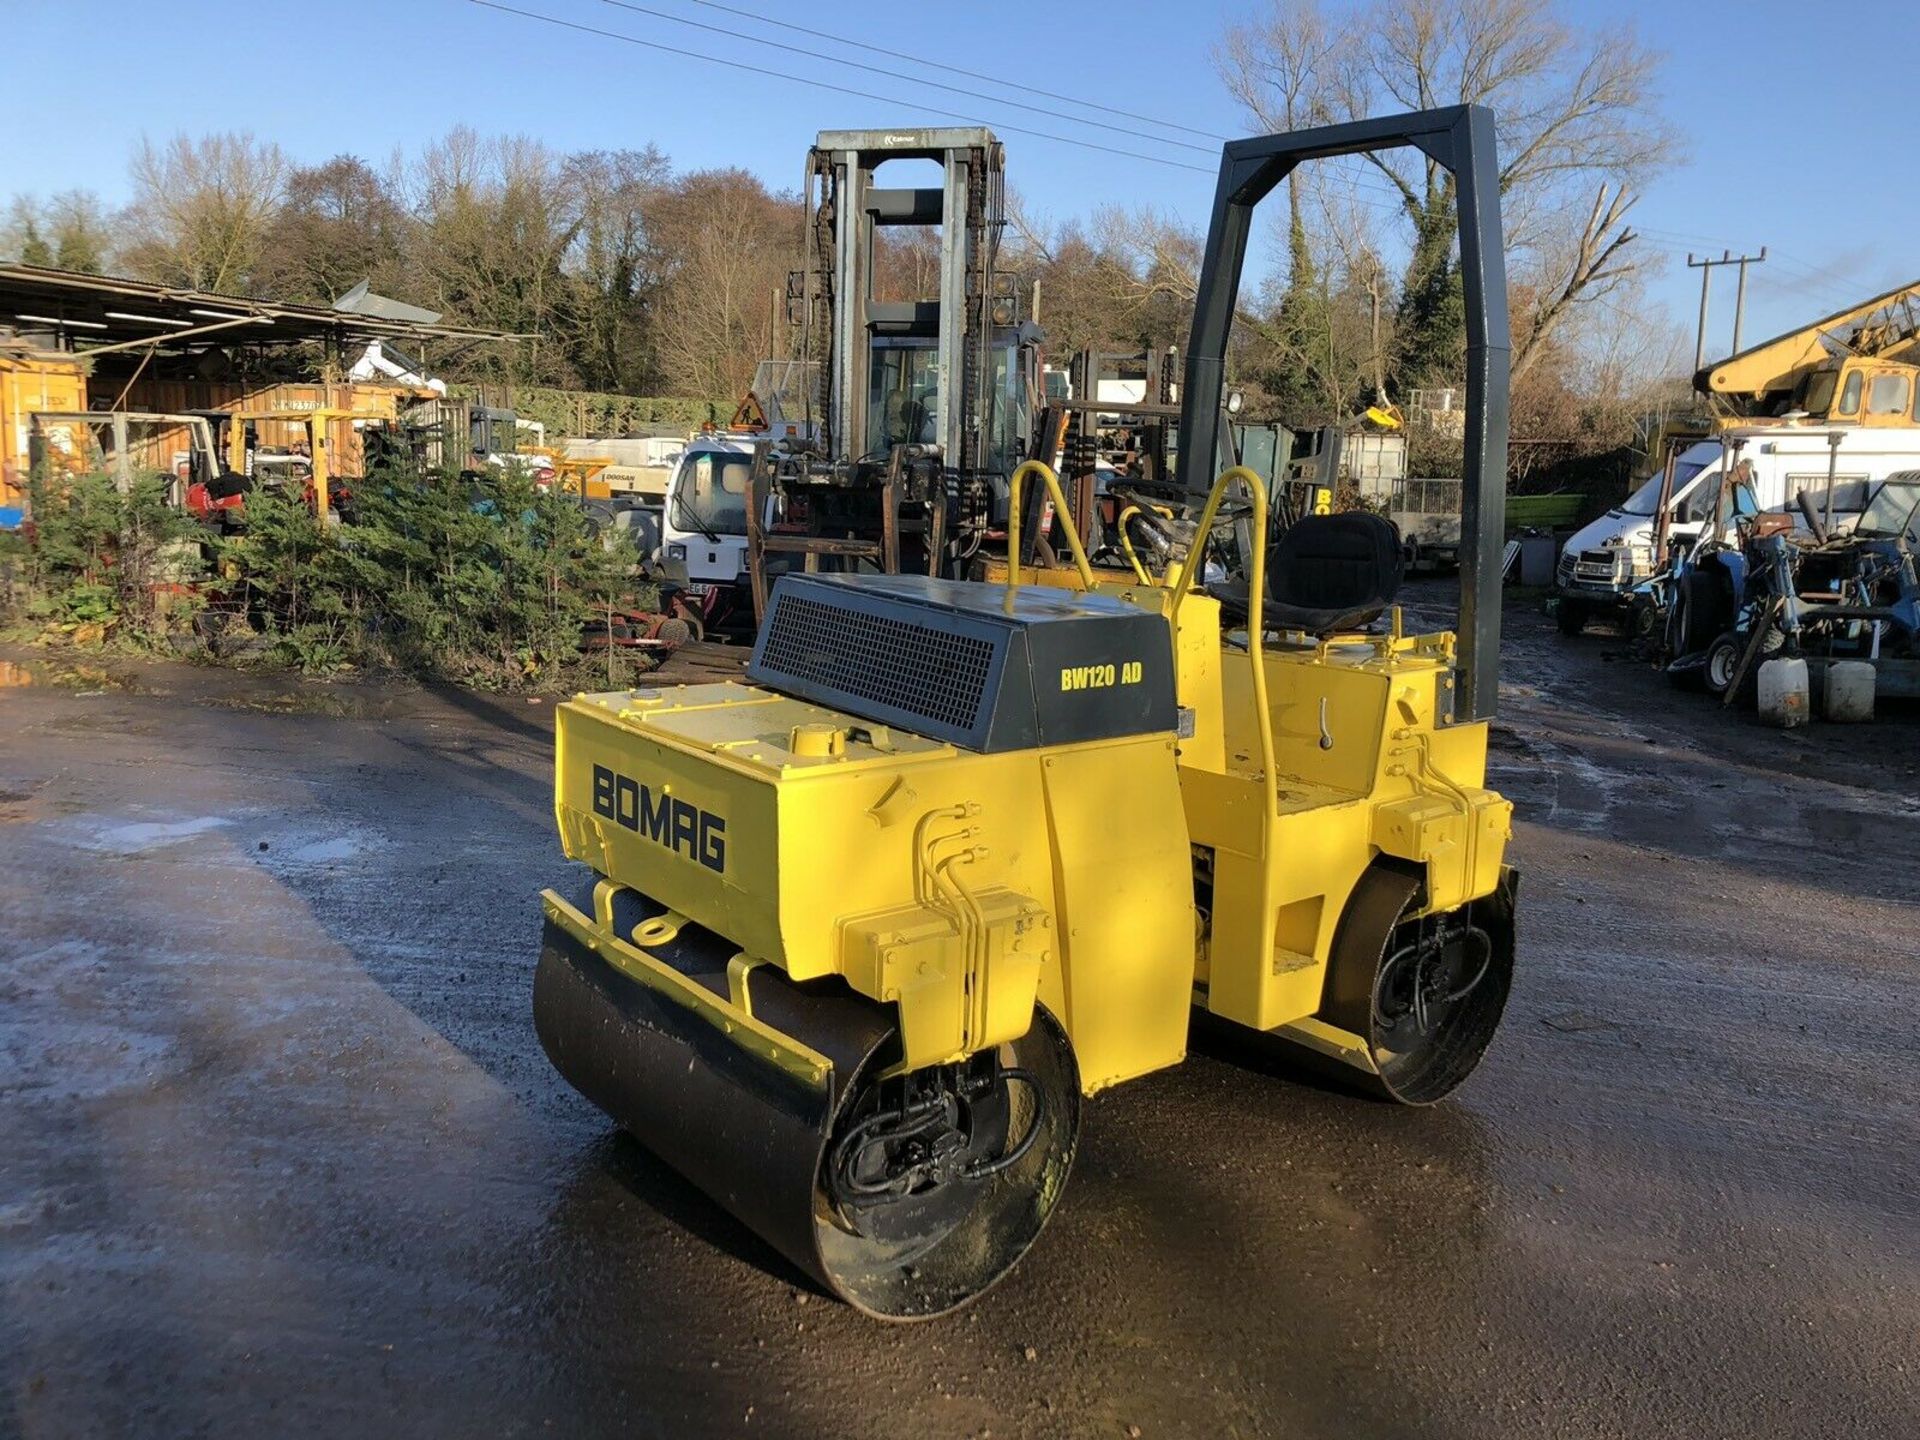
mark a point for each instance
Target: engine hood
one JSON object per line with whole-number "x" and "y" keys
{"x": 1614, "y": 528}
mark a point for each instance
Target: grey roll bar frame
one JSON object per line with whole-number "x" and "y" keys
{"x": 1459, "y": 138}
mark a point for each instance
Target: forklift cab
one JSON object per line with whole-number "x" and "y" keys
{"x": 493, "y": 434}
{"x": 903, "y": 401}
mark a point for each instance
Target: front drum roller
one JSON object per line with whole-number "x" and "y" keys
{"x": 1427, "y": 992}
{"x": 905, "y": 1196}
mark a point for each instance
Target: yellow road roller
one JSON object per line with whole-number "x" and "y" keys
{"x": 862, "y": 933}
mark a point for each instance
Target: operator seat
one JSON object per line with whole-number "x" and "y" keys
{"x": 1328, "y": 573}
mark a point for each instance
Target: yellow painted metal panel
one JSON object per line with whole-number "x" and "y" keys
{"x": 1125, "y": 906}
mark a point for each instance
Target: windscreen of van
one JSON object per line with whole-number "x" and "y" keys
{"x": 1691, "y": 462}
{"x": 712, "y": 494}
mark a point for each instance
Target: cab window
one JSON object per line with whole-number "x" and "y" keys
{"x": 1887, "y": 395}
{"x": 1850, "y": 395}
{"x": 1820, "y": 392}
{"x": 1694, "y": 503}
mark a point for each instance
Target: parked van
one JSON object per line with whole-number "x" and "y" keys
{"x": 1600, "y": 565}
{"x": 705, "y": 521}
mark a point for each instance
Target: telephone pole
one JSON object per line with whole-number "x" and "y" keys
{"x": 1740, "y": 294}
{"x": 1705, "y": 266}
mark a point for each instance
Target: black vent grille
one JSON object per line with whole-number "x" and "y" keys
{"x": 937, "y": 675}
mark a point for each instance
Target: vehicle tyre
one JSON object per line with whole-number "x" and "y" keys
{"x": 1697, "y": 612}
{"x": 1643, "y": 621}
{"x": 1571, "y": 616}
{"x": 1723, "y": 659}
{"x": 1718, "y": 670}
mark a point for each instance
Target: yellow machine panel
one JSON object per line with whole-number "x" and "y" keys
{"x": 952, "y": 884}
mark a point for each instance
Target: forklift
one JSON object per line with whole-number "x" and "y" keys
{"x": 310, "y": 461}
{"x": 920, "y": 407}
{"x": 856, "y": 940}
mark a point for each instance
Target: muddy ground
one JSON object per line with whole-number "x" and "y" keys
{"x": 280, "y": 1155}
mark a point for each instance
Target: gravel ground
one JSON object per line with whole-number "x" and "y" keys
{"x": 279, "y": 1153}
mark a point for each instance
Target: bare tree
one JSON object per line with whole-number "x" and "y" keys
{"x": 1281, "y": 68}
{"x": 1575, "y": 113}
{"x": 70, "y": 231}
{"x": 1082, "y": 282}
{"x": 81, "y": 231}
{"x": 730, "y": 244}
{"x": 496, "y": 221}
{"x": 1589, "y": 268}
{"x": 201, "y": 209}
{"x": 616, "y": 262}
{"x": 341, "y": 223}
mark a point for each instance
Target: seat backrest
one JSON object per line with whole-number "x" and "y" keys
{"x": 1350, "y": 561}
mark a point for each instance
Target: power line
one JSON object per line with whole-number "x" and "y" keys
{"x": 1834, "y": 275}
{"x": 1813, "y": 277}
{"x": 1356, "y": 179}
{"x": 1823, "y": 291}
{"x": 952, "y": 69}
{"x": 893, "y": 74}
{"x": 1358, "y": 176}
{"x": 739, "y": 67}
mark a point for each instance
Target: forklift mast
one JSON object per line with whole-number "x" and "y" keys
{"x": 968, "y": 207}
{"x": 1459, "y": 138}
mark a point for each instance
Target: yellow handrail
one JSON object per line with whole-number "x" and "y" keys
{"x": 1013, "y": 526}
{"x": 1126, "y": 545}
{"x": 1256, "y": 489}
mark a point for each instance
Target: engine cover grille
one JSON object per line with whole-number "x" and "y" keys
{"x": 947, "y": 660}
{"x": 938, "y": 675}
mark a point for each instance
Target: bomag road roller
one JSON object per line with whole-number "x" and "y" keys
{"x": 864, "y": 932}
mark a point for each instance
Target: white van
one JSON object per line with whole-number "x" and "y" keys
{"x": 705, "y": 522}
{"x": 1601, "y": 564}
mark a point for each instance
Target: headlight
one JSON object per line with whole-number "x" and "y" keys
{"x": 676, "y": 552}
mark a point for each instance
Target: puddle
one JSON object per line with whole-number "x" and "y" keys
{"x": 257, "y": 690}
{"x": 134, "y": 837}
{"x": 333, "y": 849}
{"x": 300, "y": 702}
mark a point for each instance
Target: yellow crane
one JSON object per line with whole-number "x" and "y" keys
{"x": 1856, "y": 365}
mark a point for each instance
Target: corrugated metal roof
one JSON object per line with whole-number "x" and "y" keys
{"x": 96, "y": 312}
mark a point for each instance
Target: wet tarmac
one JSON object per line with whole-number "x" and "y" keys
{"x": 280, "y": 1155}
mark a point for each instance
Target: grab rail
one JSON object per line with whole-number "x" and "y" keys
{"x": 1126, "y": 544}
{"x": 1256, "y": 489}
{"x": 1014, "y": 527}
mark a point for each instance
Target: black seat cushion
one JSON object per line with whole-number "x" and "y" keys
{"x": 1328, "y": 573}
{"x": 229, "y": 483}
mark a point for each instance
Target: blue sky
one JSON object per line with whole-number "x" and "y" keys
{"x": 1789, "y": 140}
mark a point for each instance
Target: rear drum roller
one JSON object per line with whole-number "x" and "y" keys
{"x": 1426, "y": 993}
{"x": 904, "y": 1195}
{"x": 933, "y": 1184}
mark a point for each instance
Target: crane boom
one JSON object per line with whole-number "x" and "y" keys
{"x": 1886, "y": 327}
